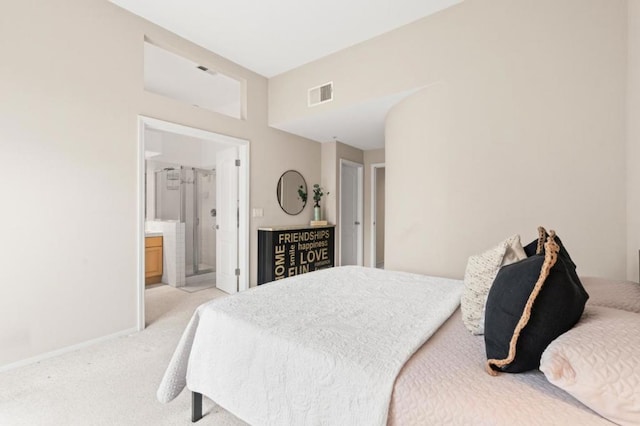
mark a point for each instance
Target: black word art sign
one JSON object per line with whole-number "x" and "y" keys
{"x": 284, "y": 253}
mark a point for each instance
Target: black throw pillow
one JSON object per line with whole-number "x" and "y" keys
{"x": 530, "y": 304}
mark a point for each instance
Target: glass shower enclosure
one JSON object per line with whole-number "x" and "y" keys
{"x": 187, "y": 194}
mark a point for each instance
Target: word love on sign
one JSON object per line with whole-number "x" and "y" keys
{"x": 286, "y": 252}
{"x": 313, "y": 256}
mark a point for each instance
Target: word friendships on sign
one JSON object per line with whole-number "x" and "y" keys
{"x": 297, "y": 252}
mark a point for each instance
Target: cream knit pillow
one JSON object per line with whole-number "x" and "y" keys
{"x": 478, "y": 278}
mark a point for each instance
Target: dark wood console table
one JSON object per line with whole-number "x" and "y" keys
{"x": 285, "y": 251}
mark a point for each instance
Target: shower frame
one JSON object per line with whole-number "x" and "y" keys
{"x": 197, "y": 223}
{"x": 182, "y": 217}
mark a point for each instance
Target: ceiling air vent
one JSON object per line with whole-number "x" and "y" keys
{"x": 321, "y": 94}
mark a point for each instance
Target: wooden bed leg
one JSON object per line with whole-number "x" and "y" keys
{"x": 196, "y": 406}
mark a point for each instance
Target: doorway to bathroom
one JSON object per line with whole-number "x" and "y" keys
{"x": 194, "y": 198}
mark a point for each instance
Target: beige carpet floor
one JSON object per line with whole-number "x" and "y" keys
{"x": 113, "y": 382}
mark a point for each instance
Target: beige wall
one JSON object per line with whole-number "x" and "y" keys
{"x": 398, "y": 61}
{"x": 522, "y": 123}
{"x": 328, "y": 181}
{"x": 633, "y": 140}
{"x": 71, "y": 82}
{"x": 374, "y": 156}
{"x": 332, "y": 153}
{"x": 535, "y": 136}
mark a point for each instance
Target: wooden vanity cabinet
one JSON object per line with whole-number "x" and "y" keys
{"x": 152, "y": 260}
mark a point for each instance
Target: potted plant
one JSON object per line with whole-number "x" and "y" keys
{"x": 318, "y": 192}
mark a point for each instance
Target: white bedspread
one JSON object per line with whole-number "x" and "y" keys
{"x": 318, "y": 348}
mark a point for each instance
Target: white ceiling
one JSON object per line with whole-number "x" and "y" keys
{"x": 271, "y": 37}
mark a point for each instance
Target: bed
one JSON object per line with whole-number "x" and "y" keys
{"x": 230, "y": 353}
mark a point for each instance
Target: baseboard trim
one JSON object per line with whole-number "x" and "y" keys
{"x": 66, "y": 349}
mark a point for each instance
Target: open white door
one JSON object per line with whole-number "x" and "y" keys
{"x": 227, "y": 220}
{"x": 351, "y": 212}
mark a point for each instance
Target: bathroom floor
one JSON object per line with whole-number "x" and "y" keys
{"x": 201, "y": 267}
{"x": 201, "y": 285}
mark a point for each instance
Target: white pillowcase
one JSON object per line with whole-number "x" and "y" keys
{"x": 479, "y": 276}
{"x": 598, "y": 362}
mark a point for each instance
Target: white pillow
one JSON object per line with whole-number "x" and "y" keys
{"x": 479, "y": 276}
{"x": 598, "y": 362}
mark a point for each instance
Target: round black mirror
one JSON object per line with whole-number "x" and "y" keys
{"x": 292, "y": 192}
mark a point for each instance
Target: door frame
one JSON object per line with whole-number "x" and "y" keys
{"x": 243, "y": 196}
{"x": 374, "y": 213}
{"x": 359, "y": 209}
